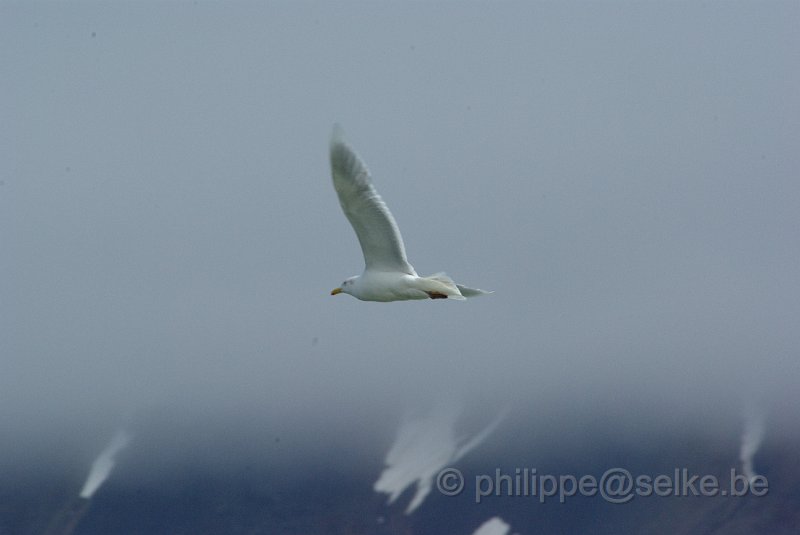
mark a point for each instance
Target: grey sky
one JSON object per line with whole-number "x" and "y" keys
{"x": 623, "y": 175}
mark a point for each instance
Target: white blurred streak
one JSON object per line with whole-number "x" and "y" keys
{"x": 102, "y": 466}
{"x": 752, "y": 436}
{"x": 493, "y": 526}
{"x": 423, "y": 447}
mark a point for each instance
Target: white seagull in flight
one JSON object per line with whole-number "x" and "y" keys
{"x": 387, "y": 274}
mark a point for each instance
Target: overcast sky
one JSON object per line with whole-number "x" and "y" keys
{"x": 624, "y": 176}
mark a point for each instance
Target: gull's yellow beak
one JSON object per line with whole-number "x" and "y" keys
{"x": 336, "y": 291}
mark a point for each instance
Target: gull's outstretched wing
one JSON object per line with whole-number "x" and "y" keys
{"x": 375, "y": 227}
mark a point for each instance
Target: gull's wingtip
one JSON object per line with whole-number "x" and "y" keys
{"x": 337, "y": 134}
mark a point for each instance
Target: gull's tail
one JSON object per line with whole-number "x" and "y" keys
{"x": 471, "y": 292}
{"x": 440, "y": 286}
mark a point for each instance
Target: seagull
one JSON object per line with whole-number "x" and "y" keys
{"x": 387, "y": 274}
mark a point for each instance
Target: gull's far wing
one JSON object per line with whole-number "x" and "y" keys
{"x": 375, "y": 227}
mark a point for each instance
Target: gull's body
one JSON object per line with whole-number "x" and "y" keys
{"x": 387, "y": 274}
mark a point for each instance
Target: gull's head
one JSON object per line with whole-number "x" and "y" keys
{"x": 346, "y": 287}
